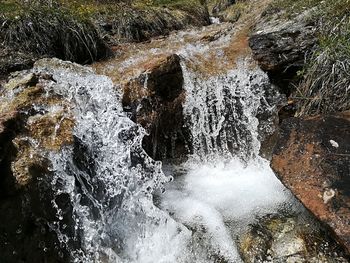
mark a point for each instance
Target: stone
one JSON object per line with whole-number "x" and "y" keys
{"x": 287, "y": 237}
{"x": 317, "y": 172}
{"x": 154, "y": 100}
{"x": 280, "y": 45}
{"x": 32, "y": 122}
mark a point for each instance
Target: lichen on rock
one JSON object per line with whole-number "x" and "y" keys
{"x": 316, "y": 171}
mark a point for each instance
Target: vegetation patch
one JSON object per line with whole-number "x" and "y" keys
{"x": 53, "y": 33}
{"x": 31, "y": 31}
{"x": 228, "y": 10}
{"x": 141, "y": 20}
{"x": 325, "y": 80}
{"x": 81, "y": 31}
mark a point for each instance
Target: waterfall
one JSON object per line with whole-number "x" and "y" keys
{"x": 117, "y": 211}
{"x": 115, "y": 204}
{"x": 106, "y": 180}
{"x": 225, "y": 184}
{"x": 109, "y": 194}
{"x": 221, "y": 110}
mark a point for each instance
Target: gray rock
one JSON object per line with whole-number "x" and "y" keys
{"x": 279, "y": 45}
{"x": 288, "y": 238}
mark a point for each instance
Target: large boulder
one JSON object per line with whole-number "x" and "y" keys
{"x": 280, "y": 45}
{"x": 154, "y": 99}
{"x": 312, "y": 158}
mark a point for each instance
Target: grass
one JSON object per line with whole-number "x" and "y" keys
{"x": 8, "y": 7}
{"x": 135, "y": 20}
{"x": 226, "y": 11}
{"x": 325, "y": 80}
{"x": 54, "y": 32}
{"x": 82, "y": 30}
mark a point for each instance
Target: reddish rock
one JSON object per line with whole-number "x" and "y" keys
{"x": 312, "y": 158}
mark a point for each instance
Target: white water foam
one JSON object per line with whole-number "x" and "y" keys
{"x": 223, "y": 198}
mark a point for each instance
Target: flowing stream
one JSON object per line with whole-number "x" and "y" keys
{"x": 126, "y": 207}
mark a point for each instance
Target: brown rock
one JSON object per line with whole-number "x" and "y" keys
{"x": 312, "y": 158}
{"x": 154, "y": 100}
{"x": 33, "y": 122}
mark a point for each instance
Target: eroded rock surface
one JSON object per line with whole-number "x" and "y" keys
{"x": 154, "y": 100}
{"x": 312, "y": 158}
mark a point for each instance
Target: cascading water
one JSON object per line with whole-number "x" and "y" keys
{"x": 109, "y": 181}
{"x": 224, "y": 185}
{"x": 107, "y": 177}
{"x": 221, "y": 111}
{"x": 113, "y": 203}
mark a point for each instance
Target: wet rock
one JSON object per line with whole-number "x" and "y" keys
{"x": 32, "y": 123}
{"x": 312, "y": 159}
{"x": 280, "y": 45}
{"x": 288, "y": 238}
{"x": 154, "y": 100}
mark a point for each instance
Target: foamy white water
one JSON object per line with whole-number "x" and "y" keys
{"x": 219, "y": 200}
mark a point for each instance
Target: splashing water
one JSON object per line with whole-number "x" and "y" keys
{"x": 222, "y": 111}
{"x": 107, "y": 177}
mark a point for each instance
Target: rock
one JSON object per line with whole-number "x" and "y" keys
{"x": 32, "y": 122}
{"x": 154, "y": 100}
{"x": 318, "y": 173}
{"x": 280, "y": 45}
{"x": 288, "y": 238}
